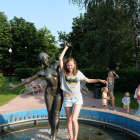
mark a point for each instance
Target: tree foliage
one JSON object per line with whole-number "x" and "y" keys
{"x": 5, "y": 39}
{"x": 26, "y": 43}
{"x": 103, "y": 37}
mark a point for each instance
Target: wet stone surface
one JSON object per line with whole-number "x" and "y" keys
{"x": 44, "y": 134}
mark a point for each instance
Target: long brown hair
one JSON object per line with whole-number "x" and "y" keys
{"x": 66, "y": 71}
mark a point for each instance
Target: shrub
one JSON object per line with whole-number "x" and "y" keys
{"x": 23, "y": 73}
{"x": 127, "y": 81}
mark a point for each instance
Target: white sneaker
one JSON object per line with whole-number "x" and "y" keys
{"x": 114, "y": 109}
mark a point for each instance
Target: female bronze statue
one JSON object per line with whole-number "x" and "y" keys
{"x": 53, "y": 94}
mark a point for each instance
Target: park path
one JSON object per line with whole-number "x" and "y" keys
{"x": 30, "y": 101}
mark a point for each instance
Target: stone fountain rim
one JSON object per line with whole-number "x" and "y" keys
{"x": 94, "y": 115}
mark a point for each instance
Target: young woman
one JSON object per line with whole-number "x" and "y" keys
{"x": 70, "y": 84}
{"x": 110, "y": 85}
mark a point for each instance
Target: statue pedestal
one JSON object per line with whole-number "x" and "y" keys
{"x": 44, "y": 134}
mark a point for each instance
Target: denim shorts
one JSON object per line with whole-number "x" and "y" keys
{"x": 71, "y": 101}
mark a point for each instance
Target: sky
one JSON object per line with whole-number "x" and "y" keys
{"x": 56, "y": 15}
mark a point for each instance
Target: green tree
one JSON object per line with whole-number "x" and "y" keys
{"x": 47, "y": 43}
{"x": 5, "y": 40}
{"x": 111, "y": 43}
{"x": 121, "y": 34}
{"x": 24, "y": 47}
{"x": 104, "y": 34}
{"x": 28, "y": 42}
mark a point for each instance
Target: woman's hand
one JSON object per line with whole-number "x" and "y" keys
{"x": 113, "y": 72}
{"x": 62, "y": 55}
{"x": 108, "y": 98}
{"x": 104, "y": 81}
{"x": 11, "y": 85}
{"x": 66, "y": 44}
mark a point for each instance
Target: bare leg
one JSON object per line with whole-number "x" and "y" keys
{"x": 69, "y": 120}
{"x": 103, "y": 106}
{"x": 124, "y": 110}
{"x": 128, "y": 110}
{"x": 109, "y": 95}
{"x": 106, "y": 106}
{"x": 75, "y": 115}
{"x": 113, "y": 100}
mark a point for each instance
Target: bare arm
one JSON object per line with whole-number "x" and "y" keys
{"x": 123, "y": 100}
{"x": 138, "y": 92}
{"x": 62, "y": 56}
{"x": 104, "y": 97}
{"x": 117, "y": 76}
{"x": 94, "y": 80}
{"x": 129, "y": 100}
{"x": 25, "y": 82}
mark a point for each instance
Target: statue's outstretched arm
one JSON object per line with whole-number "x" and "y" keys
{"x": 36, "y": 76}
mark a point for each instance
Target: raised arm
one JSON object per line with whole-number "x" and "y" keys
{"x": 25, "y": 82}
{"x": 62, "y": 55}
{"x": 117, "y": 76}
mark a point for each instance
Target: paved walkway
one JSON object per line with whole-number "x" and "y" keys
{"x": 89, "y": 101}
{"x": 30, "y": 101}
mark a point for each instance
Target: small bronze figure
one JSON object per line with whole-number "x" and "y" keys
{"x": 53, "y": 94}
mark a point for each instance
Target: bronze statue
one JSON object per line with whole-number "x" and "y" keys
{"x": 53, "y": 94}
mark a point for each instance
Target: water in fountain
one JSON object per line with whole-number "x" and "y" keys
{"x": 42, "y": 132}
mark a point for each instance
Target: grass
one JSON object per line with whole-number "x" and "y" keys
{"x": 118, "y": 97}
{"x": 6, "y": 94}
{"x": 118, "y": 100}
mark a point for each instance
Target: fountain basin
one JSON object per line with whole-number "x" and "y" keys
{"x": 106, "y": 118}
